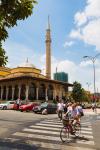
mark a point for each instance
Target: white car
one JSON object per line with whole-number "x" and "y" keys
{"x": 7, "y": 105}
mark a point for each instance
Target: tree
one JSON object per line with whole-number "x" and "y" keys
{"x": 77, "y": 92}
{"x": 3, "y": 57}
{"x": 10, "y": 12}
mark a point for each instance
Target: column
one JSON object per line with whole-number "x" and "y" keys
{"x": 46, "y": 96}
{"x": 54, "y": 94}
{"x": 7, "y": 90}
{"x": 60, "y": 93}
{"x": 19, "y": 91}
{"x": 1, "y": 93}
{"x": 37, "y": 93}
{"x": 27, "y": 92}
{"x": 13, "y": 89}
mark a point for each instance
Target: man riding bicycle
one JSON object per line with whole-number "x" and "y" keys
{"x": 73, "y": 114}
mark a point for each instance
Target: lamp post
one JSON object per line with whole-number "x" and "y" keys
{"x": 93, "y": 59}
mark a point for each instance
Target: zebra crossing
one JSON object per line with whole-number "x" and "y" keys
{"x": 46, "y": 135}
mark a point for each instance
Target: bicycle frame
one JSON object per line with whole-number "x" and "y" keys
{"x": 68, "y": 129}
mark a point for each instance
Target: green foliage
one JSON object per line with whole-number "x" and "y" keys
{"x": 77, "y": 92}
{"x": 54, "y": 101}
{"x": 3, "y": 57}
{"x": 10, "y": 12}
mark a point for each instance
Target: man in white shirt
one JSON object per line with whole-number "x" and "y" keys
{"x": 60, "y": 109}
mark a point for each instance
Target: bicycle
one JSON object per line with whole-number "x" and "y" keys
{"x": 68, "y": 128}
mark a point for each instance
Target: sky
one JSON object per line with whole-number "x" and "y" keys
{"x": 75, "y": 32}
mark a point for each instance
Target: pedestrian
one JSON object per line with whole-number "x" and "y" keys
{"x": 18, "y": 102}
{"x": 65, "y": 108}
{"x": 60, "y": 109}
{"x": 46, "y": 98}
{"x": 94, "y": 107}
{"x": 80, "y": 109}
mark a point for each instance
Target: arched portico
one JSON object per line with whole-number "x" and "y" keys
{"x": 32, "y": 91}
{"x": 50, "y": 92}
{"x": 42, "y": 92}
{"x": 4, "y": 93}
{"x": 9, "y": 93}
{"x": 16, "y": 92}
{"x": 23, "y": 92}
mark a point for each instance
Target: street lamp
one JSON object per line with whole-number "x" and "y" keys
{"x": 93, "y": 59}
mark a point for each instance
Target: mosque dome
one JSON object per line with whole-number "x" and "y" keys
{"x": 27, "y": 64}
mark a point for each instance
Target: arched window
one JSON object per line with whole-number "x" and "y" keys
{"x": 50, "y": 92}
{"x": 42, "y": 92}
{"x": 32, "y": 91}
{"x": 4, "y": 92}
{"x": 9, "y": 92}
{"x": 16, "y": 91}
{"x": 23, "y": 92}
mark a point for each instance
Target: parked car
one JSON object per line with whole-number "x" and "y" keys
{"x": 50, "y": 107}
{"x": 7, "y": 105}
{"x": 28, "y": 107}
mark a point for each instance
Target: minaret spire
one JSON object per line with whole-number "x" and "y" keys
{"x": 48, "y": 51}
{"x": 48, "y": 22}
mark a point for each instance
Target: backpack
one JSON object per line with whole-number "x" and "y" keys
{"x": 81, "y": 113}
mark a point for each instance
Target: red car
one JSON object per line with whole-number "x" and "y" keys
{"x": 28, "y": 107}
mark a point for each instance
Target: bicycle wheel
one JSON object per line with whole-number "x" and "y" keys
{"x": 77, "y": 129}
{"x": 64, "y": 134}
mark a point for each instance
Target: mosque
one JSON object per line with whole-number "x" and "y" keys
{"x": 28, "y": 83}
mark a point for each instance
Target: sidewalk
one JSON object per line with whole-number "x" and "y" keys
{"x": 90, "y": 111}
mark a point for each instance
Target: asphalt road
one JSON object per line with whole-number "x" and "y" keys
{"x": 29, "y": 131}
{"x": 11, "y": 121}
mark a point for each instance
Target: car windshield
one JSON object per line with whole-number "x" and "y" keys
{"x": 44, "y": 104}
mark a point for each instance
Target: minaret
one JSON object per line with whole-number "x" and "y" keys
{"x": 48, "y": 51}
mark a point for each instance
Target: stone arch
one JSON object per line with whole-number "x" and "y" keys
{"x": 16, "y": 91}
{"x": 4, "y": 93}
{"x": 32, "y": 91}
{"x": 9, "y": 92}
{"x": 42, "y": 92}
{"x": 50, "y": 92}
{"x": 23, "y": 92}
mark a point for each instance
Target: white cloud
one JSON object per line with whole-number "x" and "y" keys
{"x": 68, "y": 44}
{"x": 76, "y": 34}
{"x": 82, "y": 72}
{"x": 80, "y": 18}
{"x": 88, "y": 24}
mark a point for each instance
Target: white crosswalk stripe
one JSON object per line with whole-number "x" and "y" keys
{"x": 46, "y": 134}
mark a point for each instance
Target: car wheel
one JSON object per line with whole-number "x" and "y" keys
{"x": 44, "y": 112}
{"x": 27, "y": 110}
{"x": 5, "y": 107}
